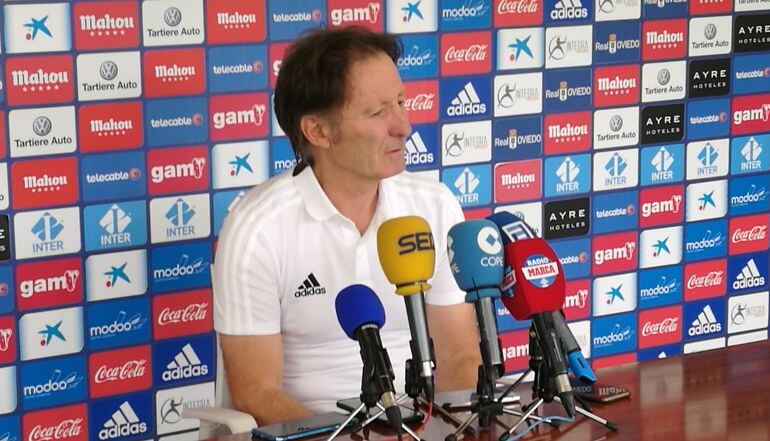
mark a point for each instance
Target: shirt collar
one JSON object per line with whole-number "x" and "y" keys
{"x": 319, "y": 206}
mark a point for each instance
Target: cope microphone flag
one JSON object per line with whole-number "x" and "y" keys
{"x": 361, "y": 315}
{"x": 408, "y": 256}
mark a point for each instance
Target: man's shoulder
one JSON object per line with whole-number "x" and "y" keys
{"x": 413, "y": 184}
{"x": 271, "y": 198}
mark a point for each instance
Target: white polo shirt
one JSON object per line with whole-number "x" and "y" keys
{"x": 284, "y": 252}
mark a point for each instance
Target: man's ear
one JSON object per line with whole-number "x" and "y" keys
{"x": 317, "y": 130}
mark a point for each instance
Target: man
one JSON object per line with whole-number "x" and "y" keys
{"x": 292, "y": 243}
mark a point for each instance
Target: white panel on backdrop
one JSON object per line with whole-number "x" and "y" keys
{"x": 37, "y": 28}
{"x": 239, "y": 164}
{"x": 518, "y": 94}
{"x": 107, "y": 76}
{"x": 616, "y": 127}
{"x": 44, "y": 131}
{"x": 531, "y": 213}
{"x": 748, "y": 312}
{"x": 178, "y": 218}
{"x": 659, "y": 247}
{"x": 708, "y": 159}
{"x": 710, "y": 35}
{"x": 8, "y": 386}
{"x": 520, "y": 48}
{"x": 616, "y": 169}
{"x": 569, "y": 46}
{"x": 4, "y": 189}
{"x": 116, "y": 275}
{"x": 51, "y": 333}
{"x": 706, "y": 200}
{"x": 170, "y": 403}
{"x": 47, "y": 232}
{"x": 172, "y": 22}
{"x": 466, "y": 143}
{"x": 409, "y": 16}
{"x": 614, "y": 294}
{"x": 664, "y": 81}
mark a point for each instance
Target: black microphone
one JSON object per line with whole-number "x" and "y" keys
{"x": 361, "y": 315}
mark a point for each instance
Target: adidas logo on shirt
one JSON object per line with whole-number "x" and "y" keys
{"x": 706, "y": 323}
{"x": 749, "y": 277}
{"x": 416, "y": 151}
{"x": 123, "y": 423}
{"x": 186, "y": 364}
{"x": 310, "y": 287}
{"x": 467, "y": 102}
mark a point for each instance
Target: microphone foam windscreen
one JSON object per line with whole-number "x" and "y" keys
{"x": 358, "y": 305}
{"x": 407, "y": 253}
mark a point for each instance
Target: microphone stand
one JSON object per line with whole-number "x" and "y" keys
{"x": 370, "y": 396}
{"x": 544, "y": 391}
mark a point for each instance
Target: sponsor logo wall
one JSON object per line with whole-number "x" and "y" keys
{"x": 634, "y": 136}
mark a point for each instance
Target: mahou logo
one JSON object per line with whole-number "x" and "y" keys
{"x": 751, "y": 114}
{"x": 239, "y": 116}
{"x": 58, "y": 424}
{"x": 664, "y": 39}
{"x": 174, "y": 72}
{"x": 182, "y": 314}
{"x": 39, "y": 80}
{"x": 749, "y": 234}
{"x": 108, "y": 127}
{"x": 701, "y": 7}
{"x": 46, "y": 182}
{"x": 661, "y": 206}
{"x": 567, "y": 132}
{"x": 614, "y": 252}
{"x": 365, "y": 13}
{"x": 421, "y": 101}
{"x": 177, "y": 170}
{"x": 660, "y": 326}
{"x": 518, "y": 13}
{"x": 235, "y": 21}
{"x": 49, "y": 283}
{"x": 616, "y": 85}
{"x": 705, "y": 279}
{"x": 120, "y": 371}
{"x": 105, "y": 25}
{"x": 518, "y": 181}
{"x": 466, "y": 53}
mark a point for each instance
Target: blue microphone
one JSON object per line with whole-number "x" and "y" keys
{"x": 513, "y": 228}
{"x": 361, "y": 315}
{"x": 476, "y": 259}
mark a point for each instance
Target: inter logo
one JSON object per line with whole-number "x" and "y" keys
{"x": 567, "y": 175}
{"x": 615, "y": 169}
{"x": 662, "y": 164}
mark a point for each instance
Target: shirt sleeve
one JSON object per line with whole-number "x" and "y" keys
{"x": 444, "y": 290}
{"x": 245, "y": 279}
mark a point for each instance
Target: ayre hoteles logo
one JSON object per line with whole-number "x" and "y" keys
{"x": 44, "y": 131}
{"x": 567, "y": 218}
{"x": 237, "y": 21}
{"x": 47, "y": 232}
{"x": 664, "y": 39}
{"x": 119, "y": 371}
{"x": 44, "y": 182}
{"x": 663, "y": 123}
{"x": 109, "y": 75}
{"x": 174, "y": 72}
{"x": 709, "y": 78}
{"x": 751, "y": 33}
{"x": 172, "y": 22}
{"x": 105, "y": 25}
{"x": 39, "y": 80}
{"x": 568, "y": 46}
{"x": 466, "y": 53}
{"x": 113, "y": 126}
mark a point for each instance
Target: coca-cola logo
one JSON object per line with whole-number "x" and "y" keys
{"x": 669, "y": 325}
{"x": 191, "y": 313}
{"x": 713, "y": 278}
{"x": 68, "y": 428}
{"x": 130, "y": 369}
{"x": 420, "y": 102}
{"x": 517, "y": 7}
{"x": 475, "y": 52}
{"x": 757, "y": 232}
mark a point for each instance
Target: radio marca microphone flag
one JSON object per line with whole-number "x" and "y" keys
{"x": 408, "y": 257}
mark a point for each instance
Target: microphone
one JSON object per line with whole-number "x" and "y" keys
{"x": 538, "y": 291}
{"x": 514, "y": 228}
{"x": 361, "y": 315}
{"x": 476, "y": 260}
{"x": 407, "y": 255}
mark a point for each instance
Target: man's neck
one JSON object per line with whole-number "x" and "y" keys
{"x": 355, "y": 199}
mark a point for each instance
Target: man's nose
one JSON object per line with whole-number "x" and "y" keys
{"x": 401, "y": 126}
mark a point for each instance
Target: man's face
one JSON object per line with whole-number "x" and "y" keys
{"x": 370, "y": 129}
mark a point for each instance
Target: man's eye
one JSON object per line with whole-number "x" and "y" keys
{"x": 377, "y": 113}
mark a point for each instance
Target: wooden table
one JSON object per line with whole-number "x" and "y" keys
{"x": 717, "y": 395}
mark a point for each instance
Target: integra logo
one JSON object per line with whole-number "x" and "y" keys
{"x": 749, "y": 277}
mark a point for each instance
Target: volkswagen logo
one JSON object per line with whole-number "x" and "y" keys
{"x": 555, "y": 49}
{"x": 172, "y": 17}
{"x": 616, "y": 123}
{"x": 664, "y": 76}
{"x": 607, "y": 6}
{"x": 108, "y": 70}
{"x": 42, "y": 126}
{"x": 710, "y": 31}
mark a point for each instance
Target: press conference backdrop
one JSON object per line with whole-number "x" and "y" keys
{"x": 633, "y": 134}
